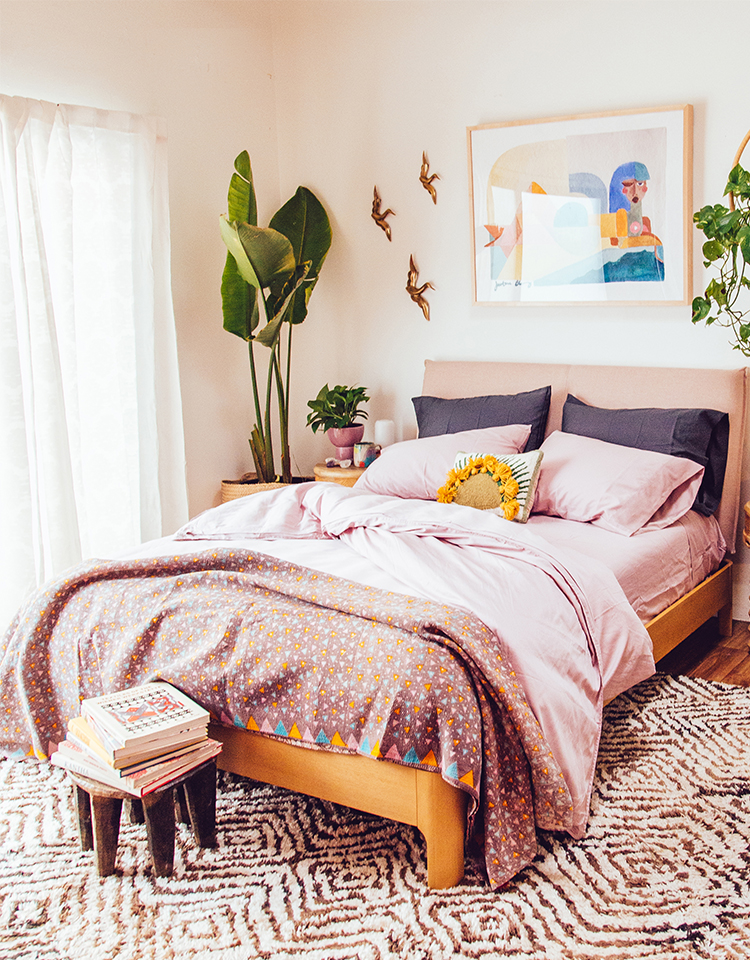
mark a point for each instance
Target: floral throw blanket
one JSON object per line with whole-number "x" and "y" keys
{"x": 295, "y": 654}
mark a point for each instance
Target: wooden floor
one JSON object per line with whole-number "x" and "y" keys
{"x": 710, "y": 656}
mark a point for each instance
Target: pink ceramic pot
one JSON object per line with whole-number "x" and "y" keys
{"x": 344, "y": 438}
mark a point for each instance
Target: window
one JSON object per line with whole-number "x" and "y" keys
{"x": 91, "y": 448}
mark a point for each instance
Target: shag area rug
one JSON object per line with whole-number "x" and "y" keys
{"x": 663, "y": 871}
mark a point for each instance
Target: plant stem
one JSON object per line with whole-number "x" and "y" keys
{"x": 254, "y": 381}
{"x": 267, "y": 426}
{"x": 286, "y": 473}
{"x": 285, "y": 453}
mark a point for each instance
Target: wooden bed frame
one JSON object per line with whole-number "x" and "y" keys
{"x": 422, "y": 798}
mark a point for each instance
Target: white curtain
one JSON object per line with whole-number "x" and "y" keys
{"x": 91, "y": 443}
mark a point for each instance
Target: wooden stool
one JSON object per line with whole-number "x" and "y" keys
{"x": 99, "y": 807}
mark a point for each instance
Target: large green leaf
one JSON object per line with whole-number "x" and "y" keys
{"x": 268, "y": 251}
{"x": 239, "y": 302}
{"x": 241, "y": 204}
{"x": 231, "y": 237}
{"x": 304, "y": 221}
{"x": 263, "y": 255}
{"x": 269, "y": 335}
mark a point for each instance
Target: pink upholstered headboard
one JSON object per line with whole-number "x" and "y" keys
{"x": 615, "y": 387}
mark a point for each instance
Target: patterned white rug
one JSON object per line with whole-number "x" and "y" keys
{"x": 664, "y": 870}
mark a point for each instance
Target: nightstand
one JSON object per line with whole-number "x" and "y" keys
{"x": 346, "y": 476}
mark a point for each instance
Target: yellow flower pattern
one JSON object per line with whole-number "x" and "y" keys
{"x": 501, "y": 473}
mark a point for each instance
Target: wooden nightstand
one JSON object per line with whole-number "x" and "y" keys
{"x": 346, "y": 476}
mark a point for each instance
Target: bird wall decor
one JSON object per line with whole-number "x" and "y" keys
{"x": 380, "y": 216}
{"x": 426, "y": 178}
{"x": 417, "y": 292}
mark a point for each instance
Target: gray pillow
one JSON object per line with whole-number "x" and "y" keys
{"x": 695, "y": 434}
{"x": 437, "y": 416}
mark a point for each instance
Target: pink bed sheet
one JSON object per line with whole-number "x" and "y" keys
{"x": 654, "y": 568}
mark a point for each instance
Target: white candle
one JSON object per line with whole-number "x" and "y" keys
{"x": 385, "y": 432}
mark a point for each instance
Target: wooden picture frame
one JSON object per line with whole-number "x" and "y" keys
{"x": 590, "y": 209}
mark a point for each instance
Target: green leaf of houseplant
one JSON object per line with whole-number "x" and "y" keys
{"x": 743, "y": 236}
{"x": 262, "y": 255}
{"x": 713, "y": 249}
{"x": 239, "y": 302}
{"x": 701, "y": 309}
{"x": 304, "y": 221}
{"x": 269, "y": 335}
{"x": 241, "y": 203}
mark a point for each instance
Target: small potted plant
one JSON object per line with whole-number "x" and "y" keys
{"x": 336, "y": 410}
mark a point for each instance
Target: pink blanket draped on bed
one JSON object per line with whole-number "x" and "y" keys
{"x": 330, "y": 664}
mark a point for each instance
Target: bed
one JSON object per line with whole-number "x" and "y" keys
{"x": 408, "y": 791}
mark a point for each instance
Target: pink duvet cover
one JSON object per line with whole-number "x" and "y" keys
{"x": 561, "y": 619}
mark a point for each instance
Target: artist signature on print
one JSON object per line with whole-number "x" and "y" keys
{"x": 513, "y": 283}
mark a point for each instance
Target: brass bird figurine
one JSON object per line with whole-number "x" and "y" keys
{"x": 426, "y": 180}
{"x": 380, "y": 217}
{"x": 415, "y": 292}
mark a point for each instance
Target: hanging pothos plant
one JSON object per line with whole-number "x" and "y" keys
{"x": 269, "y": 275}
{"x": 727, "y": 248}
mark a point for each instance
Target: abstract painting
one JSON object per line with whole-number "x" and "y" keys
{"x": 585, "y": 209}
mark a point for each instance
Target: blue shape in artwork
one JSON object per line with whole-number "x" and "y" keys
{"x": 585, "y": 271}
{"x": 571, "y": 215}
{"x": 411, "y": 756}
{"x": 452, "y": 771}
{"x": 280, "y": 730}
{"x": 640, "y": 265}
{"x": 497, "y": 261}
{"x": 364, "y": 747}
{"x": 322, "y": 738}
{"x": 238, "y": 722}
{"x": 589, "y": 185}
{"x": 626, "y": 171}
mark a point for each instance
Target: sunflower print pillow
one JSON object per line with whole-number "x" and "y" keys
{"x": 505, "y": 485}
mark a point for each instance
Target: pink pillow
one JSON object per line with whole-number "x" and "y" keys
{"x": 621, "y": 489}
{"x": 414, "y": 469}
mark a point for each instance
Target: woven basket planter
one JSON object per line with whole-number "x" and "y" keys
{"x": 247, "y": 484}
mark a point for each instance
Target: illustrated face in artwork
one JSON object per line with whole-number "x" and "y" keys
{"x": 634, "y": 190}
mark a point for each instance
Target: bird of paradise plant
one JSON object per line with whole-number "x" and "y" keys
{"x": 268, "y": 278}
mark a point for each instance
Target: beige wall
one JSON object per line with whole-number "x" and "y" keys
{"x": 344, "y": 95}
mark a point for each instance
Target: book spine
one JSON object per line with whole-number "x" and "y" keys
{"x": 163, "y": 781}
{"x": 156, "y": 770}
{"x": 88, "y": 738}
{"x": 76, "y": 748}
{"x": 93, "y": 773}
{"x": 110, "y": 743}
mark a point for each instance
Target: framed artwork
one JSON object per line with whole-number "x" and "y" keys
{"x": 583, "y": 209}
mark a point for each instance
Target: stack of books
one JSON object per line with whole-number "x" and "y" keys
{"x": 137, "y": 740}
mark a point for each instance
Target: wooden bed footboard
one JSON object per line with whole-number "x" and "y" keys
{"x": 406, "y": 794}
{"x": 420, "y": 797}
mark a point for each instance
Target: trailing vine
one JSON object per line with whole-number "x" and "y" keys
{"x": 727, "y": 249}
